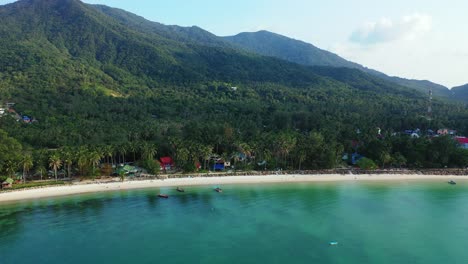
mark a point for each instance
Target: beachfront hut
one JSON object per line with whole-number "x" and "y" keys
{"x": 8, "y": 183}
{"x": 167, "y": 163}
{"x": 445, "y": 131}
{"x": 463, "y": 142}
{"x": 219, "y": 166}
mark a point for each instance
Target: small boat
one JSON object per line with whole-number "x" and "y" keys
{"x": 452, "y": 182}
{"x": 180, "y": 189}
{"x": 333, "y": 243}
{"x": 217, "y": 189}
{"x": 163, "y": 196}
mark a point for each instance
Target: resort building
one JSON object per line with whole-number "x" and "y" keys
{"x": 167, "y": 163}
{"x": 445, "y": 131}
{"x": 463, "y": 142}
{"x": 8, "y": 183}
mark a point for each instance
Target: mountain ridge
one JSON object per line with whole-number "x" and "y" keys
{"x": 276, "y": 45}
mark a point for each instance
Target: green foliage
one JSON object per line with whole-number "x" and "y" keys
{"x": 3, "y": 178}
{"x": 151, "y": 166}
{"x": 10, "y": 153}
{"x": 366, "y": 164}
{"x": 106, "y": 86}
{"x": 35, "y": 185}
{"x": 122, "y": 175}
{"x": 274, "y": 45}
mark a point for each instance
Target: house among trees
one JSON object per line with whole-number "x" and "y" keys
{"x": 167, "y": 163}
{"x": 445, "y": 131}
{"x": 13, "y": 113}
{"x": 27, "y": 119}
{"x": 8, "y": 183}
{"x": 463, "y": 142}
{"x": 219, "y": 165}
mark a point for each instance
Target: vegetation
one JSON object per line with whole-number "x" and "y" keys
{"x": 274, "y": 45}
{"x": 105, "y": 91}
{"x": 35, "y": 185}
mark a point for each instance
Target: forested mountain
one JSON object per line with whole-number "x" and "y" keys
{"x": 275, "y": 45}
{"x": 96, "y": 76}
{"x": 183, "y": 34}
{"x": 461, "y": 92}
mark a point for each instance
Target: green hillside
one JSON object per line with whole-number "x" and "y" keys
{"x": 93, "y": 79}
{"x": 275, "y": 45}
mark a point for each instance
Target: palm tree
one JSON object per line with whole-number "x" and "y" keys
{"x": 206, "y": 152}
{"x": 245, "y": 150}
{"x": 122, "y": 151}
{"x": 301, "y": 156}
{"x": 41, "y": 170}
{"x": 55, "y": 163}
{"x": 10, "y": 167}
{"x": 27, "y": 163}
{"x": 82, "y": 160}
{"x": 148, "y": 151}
{"x": 94, "y": 159}
{"x": 68, "y": 160}
{"x": 133, "y": 148}
{"x": 107, "y": 153}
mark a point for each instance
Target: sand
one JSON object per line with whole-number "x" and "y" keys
{"x": 80, "y": 188}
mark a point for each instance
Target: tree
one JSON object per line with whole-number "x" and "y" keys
{"x": 366, "y": 164}
{"x": 10, "y": 167}
{"x": 82, "y": 160}
{"x": 122, "y": 175}
{"x": 94, "y": 159}
{"x": 68, "y": 158}
{"x": 148, "y": 151}
{"x": 385, "y": 158}
{"x": 205, "y": 154}
{"x": 27, "y": 163}
{"x": 41, "y": 170}
{"x": 107, "y": 153}
{"x": 55, "y": 163}
{"x": 133, "y": 148}
{"x": 122, "y": 150}
{"x": 10, "y": 153}
{"x": 399, "y": 160}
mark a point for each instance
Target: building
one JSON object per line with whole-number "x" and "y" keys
{"x": 219, "y": 166}
{"x": 463, "y": 142}
{"x": 445, "y": 131}
{"x": 27, "y": 119}
{"x": 167, "y": 163}
{"x": 8, "y": 183}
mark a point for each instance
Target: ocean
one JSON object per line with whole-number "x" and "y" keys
{"x": 371, "y": 222}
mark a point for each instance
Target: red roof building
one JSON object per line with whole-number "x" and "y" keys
{"x": 167, "y": 163}
{"x": 463, "y": 142}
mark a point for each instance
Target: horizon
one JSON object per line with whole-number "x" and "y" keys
{"x": 410, "y": 40}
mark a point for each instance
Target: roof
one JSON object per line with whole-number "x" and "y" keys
{"x": 129, "y": 168}
{"x": 166, "y": 160}
{"x": 462, "y": 140}
{"x": 9, "y": 181}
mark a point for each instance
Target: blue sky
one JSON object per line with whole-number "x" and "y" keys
{"x": 408, "y": 38}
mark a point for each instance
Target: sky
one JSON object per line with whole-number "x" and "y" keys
{"x": 416, "y": 39}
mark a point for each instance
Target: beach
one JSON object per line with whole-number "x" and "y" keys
{"x": 96, "y": 186}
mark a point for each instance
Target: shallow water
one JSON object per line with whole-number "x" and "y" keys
{"x": 292, "y": 223}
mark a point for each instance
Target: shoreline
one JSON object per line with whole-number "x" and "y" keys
{"x": 95, "y": 187}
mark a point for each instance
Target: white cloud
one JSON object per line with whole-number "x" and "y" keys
{"x": 386, "y": 30}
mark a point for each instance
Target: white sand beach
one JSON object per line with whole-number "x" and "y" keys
{"x": 81, "y": 188}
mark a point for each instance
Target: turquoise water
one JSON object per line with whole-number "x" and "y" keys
{"x": 293, "y": 223}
